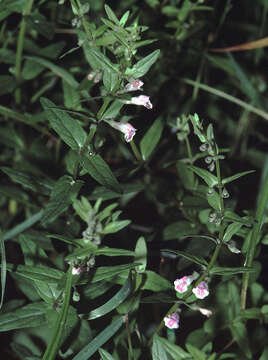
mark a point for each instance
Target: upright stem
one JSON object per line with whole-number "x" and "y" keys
{"x": 254, "y": 239}
{"x": 19, "y": 51}
{"x": 189, "y": 150}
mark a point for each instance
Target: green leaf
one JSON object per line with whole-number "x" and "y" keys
{"x": 105, "y": 355}
{"x": 100, "y": 171}
{"x": 158, "y": 349}
{"x": 28, "y": 316}
{"x": 175, "y": 351}
{"x": 218, "y": 270}
{"x": 100, "y": 339}
{"x": 155, "y": 282}
{"x": 143, "y": 65}
{"x": 113, "y": 110}
{"x": 195, "y": 352}
{"x": 236, "y": 176}
{"x": 111, "y": 15}
{"x": 97, "y": 60}
{"x": 178, "y": 230}
{"x": 7, "y": 84}
{"x": 124, "y": 18}
{"x": 186, "y": 175}
{"x": 71, "y": 96}
{"x": 113, "y": 303}
{"x": 107, "y": 251}
{"x": 151, "y": 138}
{"x": 210, "y": 179}
{"x": 3, "y": 269}
{"x": 62, "y": 195}
{"x": 141, "y": 254}
{"x": 252, "y": 313}
{"x": 192, "y": 258}
{"x": 66, "y": 127}
{"x": 55, "y": 69}
{"x": 214, "y": 199}
{"x": 115, "y": 226}
{"x": 43, "y": 273}
{"x": 110, "y": 80}
{"x": 231, "y": 230}
{"x": 239, "y": 333}
{"x": 91, "y": 249}
{"x": 108, "y": 272}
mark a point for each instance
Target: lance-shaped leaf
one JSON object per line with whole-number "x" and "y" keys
{"x": 151, "y": 138}
{"x": 99, "y": 340}
{"x": 158, "y": 349}
{"x": 65, "y": 126}
{"x": 195, "y": 259}
{"x": 113, "y": 303}
{"x": 28, "y": 316}
{"x": 97, "y": 60}
{"x": 100, "y": 171}
{"x": 40, "y": 273}
{"x": 175, "y": 351}
{"x": 210, "y": 179}
{"x": 236, "y": 176}
{"x": 105, "y": 355}
{"x": 62, "y": 195}
{"x": 142, "y": 66}
{"x": 218, "y": 270}
{"x": 231, "y": 230}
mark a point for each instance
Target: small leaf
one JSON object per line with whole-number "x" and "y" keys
{"x": 214, "y": 199}
{"x": 143, "y": 66}
{"x": 100, "y": 339}
{"x": 210, "y": 179}
{"x": 141, "y": 254}
{"x": 113, "y": 303}
{"x": 66, "y": 127}
{"x": 100, "y": 171}
{"x": 218, "y": 270}
{"x": 151, "y": 138}
{"x": 105, "y": 355}
{"x": 108, "y": 272}
{"x": 44, "y": 273}
{"x": 196, "y": 353}
{"x": 236, "y": 176}
{"x": 62, "y": 195}
{"x": 110, "y": 80}
{"x": 239, "y": 333}
{"x": 175, "y": 351}
{"x": 111, "y": 15}
{"x": 186, "y": 175}
{"x": 97, "y": 60}
{"x": 231, "y": 230}
{"x": 179, "y": 229}
{"x": 115, "y": 226}
{"x": 155, "y": 282}
{"x": 192, "y": 258}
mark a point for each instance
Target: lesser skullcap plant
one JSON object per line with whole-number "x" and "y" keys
{"x": 124, "y": 233}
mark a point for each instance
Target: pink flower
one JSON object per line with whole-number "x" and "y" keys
{"x": 134, "y": 85}
{"x": 201, "y": 291}
{"x": 141, "y": 100}
{"x": 205, "y": 312}
{"x": 127, "y": 129}
{"x": 95, "y": 76}
{"x": 181, "y": 285}
{"x": 172, "y": 321}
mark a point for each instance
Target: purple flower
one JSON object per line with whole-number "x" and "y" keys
{"x": 127, "y": 129}
{"x": 201, "y": 291}
{"x": 172, "y": 321}
{"x": 181, "y": 285}
{"x": 141, "y": 100}
{"x": 134, "y": 85}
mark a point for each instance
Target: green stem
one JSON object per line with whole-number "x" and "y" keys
{"x": 135, "y": 150}
{"x": 218, "y": 171}
{"x": 189, "y": 150}
{"x": 20, "y": 42}
{"x": 130, "y": 353}
{"x": 104, "y": 106}
{"x": 53, "y": 346}
{"x": 254, "y": 239}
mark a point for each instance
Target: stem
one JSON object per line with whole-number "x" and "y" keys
{"x": 52, "y": 348}
{"x": 19, "y": 51}
{"x": 135, "y": 150}
{"x": 189, "y": 150}
{"x": 218, "y": 171}
{"x": 106, "y": 102}
{"x": 254, "y": 239}
{"x": 130, "y": 354}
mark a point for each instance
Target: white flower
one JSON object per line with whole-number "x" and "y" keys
{"x": 141, "y": 100}
{"x": 127, "y": 129}
{"x": 181, "y": 285}
{"x": 201, "y": 291}
{"x": 205, "y": 312}
{"x": 134, "y": 85}
{"x": 172, "y": 321}
{"x": 76, "y": 270}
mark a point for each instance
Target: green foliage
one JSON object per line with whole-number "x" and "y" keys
{"x": 126, "y": 143}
